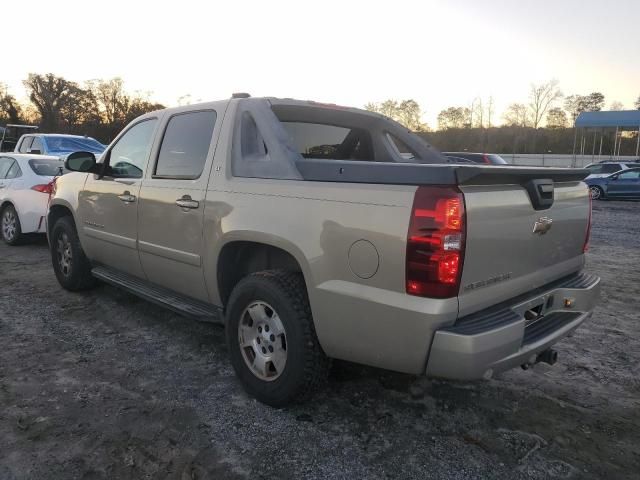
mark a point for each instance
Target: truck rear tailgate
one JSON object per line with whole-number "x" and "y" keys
{"x": 504, "y": 256}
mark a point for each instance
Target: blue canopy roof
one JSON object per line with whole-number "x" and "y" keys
{"x": 622, "y": 118}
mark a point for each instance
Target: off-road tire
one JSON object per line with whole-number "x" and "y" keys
{"x": 307, "y": 366}
{"x": 77, "y": 276}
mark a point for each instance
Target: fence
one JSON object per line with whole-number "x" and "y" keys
{"x": 556, "y": 160}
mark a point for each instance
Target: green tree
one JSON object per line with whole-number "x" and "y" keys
{"x": 453, "y": 117}
{"x": 556, "y": 118}
{"x": 10, "y": 109}
{"x": 406, "y": 112}
{"x": 50, "y": 95}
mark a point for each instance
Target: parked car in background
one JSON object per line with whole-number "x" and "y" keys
{"x": 25, "y": 185}
{"x": 10, "y": 133}
{"x": 58, "y": 144}
{"x": 622, "y": 184}
{"x": 606, "y": 168}
{"x": 305, "y": 229}
{"x": 485, "y": 158}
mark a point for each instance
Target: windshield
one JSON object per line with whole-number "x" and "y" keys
{"x": 74, "y": 144}
{"x": 47, "y": 167}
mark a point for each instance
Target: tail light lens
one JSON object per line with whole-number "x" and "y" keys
{"x": 587, "y": 236}
{"x": 435, "y": 243}
{"x": 43, "y": 188}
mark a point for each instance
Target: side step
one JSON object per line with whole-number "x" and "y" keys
{"x": 159, "y": 295}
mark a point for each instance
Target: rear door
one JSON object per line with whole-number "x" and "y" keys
{"x": 108, "y": 206}
{"x": 171, "y": 210}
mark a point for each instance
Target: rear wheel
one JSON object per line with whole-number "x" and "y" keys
{"x": 71, "y": 266}
{"x": 271, "y": 338}
{"x": 10, "y": 226}
{"x": 596, "y": 192}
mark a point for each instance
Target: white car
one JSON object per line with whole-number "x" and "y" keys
{"x": 25, "y": 185}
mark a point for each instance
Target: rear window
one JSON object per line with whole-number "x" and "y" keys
{"x": 317, "y": 140}
{"x": 185, "y": 145}
{"x": 47, "y": 168}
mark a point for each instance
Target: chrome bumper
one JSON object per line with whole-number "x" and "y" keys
{"x": 505, "y": 336}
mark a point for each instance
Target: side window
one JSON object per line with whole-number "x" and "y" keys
{"x": 14, "y": 170}
{"x": 129, "y": 156}
{"x": 632, "y": 175}
{"x": 36, "y": 146}
{"x": 26, "y": 144}
{"x": 610, "y": 168}
{"x": 5, "y": 164}
{"x": 401, "y": 148}
{"x": 185, "y": 145}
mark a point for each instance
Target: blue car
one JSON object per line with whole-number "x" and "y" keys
{"x": 58, "y": 145}
{"x": 623, "y": 184}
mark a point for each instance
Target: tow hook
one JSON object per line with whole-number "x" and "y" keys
{"x": 549, "y": 356}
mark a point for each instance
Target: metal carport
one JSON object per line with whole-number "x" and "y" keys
{"x": 603, "y": 122}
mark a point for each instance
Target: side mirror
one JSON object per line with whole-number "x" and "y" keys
{"x": 81, "y": 162}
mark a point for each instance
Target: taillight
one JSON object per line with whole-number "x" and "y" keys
{"x": 43, "y": 188}
{"x": 435, "y": 243}
{"x": 587, "y": 236}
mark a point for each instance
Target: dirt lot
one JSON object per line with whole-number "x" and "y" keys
{"x": 104, "y": 385}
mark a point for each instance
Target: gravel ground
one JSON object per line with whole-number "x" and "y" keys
{"x": 105, "y": 385}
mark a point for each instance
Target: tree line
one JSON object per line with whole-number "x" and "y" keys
{"x": 98, "y": 108}
{"x": 544, "y": 123}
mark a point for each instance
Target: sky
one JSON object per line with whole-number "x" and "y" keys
{"x": 440, "y": 53}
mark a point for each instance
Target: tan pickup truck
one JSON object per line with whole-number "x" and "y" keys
{"x": 316, "y": 231}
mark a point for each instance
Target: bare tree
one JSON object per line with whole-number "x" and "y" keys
{"x": 616, "y": 106}
{"x": 636, "y": 104}
{"x": 541, "y": 99}
{"x": 517, "y": 115}
{"x": 489, "y": 112}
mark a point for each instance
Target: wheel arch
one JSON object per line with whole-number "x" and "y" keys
{"x": 56, "y": 211}
{"x": 242, "y": 255}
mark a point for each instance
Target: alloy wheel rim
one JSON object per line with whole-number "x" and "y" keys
{"x": 263, "y": 341}
{"x": 9, "y": 226}
{"x": 595, "y": 192}
{"x": 65, "y": 255}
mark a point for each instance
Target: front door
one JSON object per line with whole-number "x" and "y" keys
{"x": 171, "y": 209}
{"x": 108, "y": 206}
{"x": 626, "y": 184}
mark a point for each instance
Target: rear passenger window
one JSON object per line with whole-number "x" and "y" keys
{"x": 610, "y": 168}
{"x": 5, "y": 164}
{"x": 185, "y": 145}
{"x": 14, "y": 171}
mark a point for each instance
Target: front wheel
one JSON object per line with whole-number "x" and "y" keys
{"x": 71, "y": 266}
{"x": 596, "y": 192}
{"x": 10, "y": 223}
{"x": 271, "y": 338}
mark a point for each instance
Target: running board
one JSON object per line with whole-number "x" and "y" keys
{"x": 164, "y": 297}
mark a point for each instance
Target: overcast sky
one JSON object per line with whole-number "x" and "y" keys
{"x": 441, "y": 53}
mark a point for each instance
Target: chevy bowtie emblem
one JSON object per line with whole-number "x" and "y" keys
{"x": 542, "y": 225}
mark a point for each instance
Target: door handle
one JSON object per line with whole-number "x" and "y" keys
{"x": 187, "y": 202}
{"x": 126, "y": 197}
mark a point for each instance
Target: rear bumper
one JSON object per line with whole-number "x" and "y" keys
{"x": 500, "y": 338}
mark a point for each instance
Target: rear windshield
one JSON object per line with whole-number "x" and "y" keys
{"x": 316, "y": 140}
{"x": 47, "y": 168}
